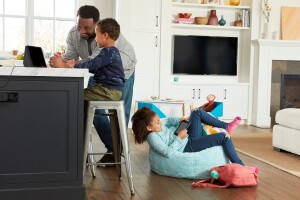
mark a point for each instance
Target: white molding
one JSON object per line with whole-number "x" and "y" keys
{"x": 266, "y": 52}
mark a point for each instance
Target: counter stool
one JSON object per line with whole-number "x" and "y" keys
{"x": 116, "y": 115}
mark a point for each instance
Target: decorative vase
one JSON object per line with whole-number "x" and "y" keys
{"x": 222, "y": 21}
{"x": 234, "y": 2}
{"x": 267, "y": 34}
{"x": 213, "y": 19}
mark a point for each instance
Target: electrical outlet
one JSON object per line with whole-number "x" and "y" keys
{"x": 8, "y": 97}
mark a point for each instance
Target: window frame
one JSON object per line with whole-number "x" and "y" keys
{"x": 29, "y": 22}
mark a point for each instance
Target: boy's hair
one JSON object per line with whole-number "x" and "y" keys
{"x": 140, "y": 120}
{"x": 110, "y": 26}
{"x": 87, "y": 12}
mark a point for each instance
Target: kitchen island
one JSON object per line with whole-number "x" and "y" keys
{"x": 41, "y": 133}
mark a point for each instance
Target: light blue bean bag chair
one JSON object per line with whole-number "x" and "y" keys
{"x": 188, "y": 165}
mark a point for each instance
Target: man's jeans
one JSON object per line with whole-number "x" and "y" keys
{"x": 102, "y": 124}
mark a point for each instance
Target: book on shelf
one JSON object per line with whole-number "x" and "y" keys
{"x": 245, "y": 17}
{"x": 185, "y": 20}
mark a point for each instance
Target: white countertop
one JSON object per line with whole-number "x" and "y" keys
{"x": 36, "y": 71}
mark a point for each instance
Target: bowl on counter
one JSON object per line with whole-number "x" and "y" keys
{"x": 201, "y": 20}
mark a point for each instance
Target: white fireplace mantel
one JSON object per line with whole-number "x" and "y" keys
{"x": 266, "y": 52}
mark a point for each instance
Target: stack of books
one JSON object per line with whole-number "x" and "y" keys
{"x": 245, "y": 17}
{"x": 185, "y": 20}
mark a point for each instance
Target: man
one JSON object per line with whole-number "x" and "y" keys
{"x": 81, "y": 44}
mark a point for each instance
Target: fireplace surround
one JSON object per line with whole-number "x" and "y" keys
{"x": 267, "y": 51}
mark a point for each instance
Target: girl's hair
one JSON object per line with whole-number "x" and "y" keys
{"x": 110, "y": 26}
{"x": 140, "y": 120}
{"x": 87, "y": 12}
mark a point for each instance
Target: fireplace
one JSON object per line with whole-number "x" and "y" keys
{"x": 266, "y": 52}
{"x": 290, "y": 91}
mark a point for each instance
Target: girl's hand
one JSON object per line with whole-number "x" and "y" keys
{"x": 185, "y": 118}
{"x": 182, "y": 134}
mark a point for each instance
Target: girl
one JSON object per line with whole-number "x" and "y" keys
{"x": 146, "y": 125}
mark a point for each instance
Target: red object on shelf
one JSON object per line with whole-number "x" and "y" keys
{"x": 213, "y": 19}
{"x": 185, "y": 20}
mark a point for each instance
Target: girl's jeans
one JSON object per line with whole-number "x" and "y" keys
{"x": 197, "y": 142}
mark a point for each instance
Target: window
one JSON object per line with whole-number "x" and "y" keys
{"x": 36, "y": 22}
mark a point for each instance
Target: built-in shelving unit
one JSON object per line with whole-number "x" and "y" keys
{"x": 230, "y": 14}
{"x": 196, "y": 26}
{"x": 233, "y": 91}
{"x": 211, "y": 6}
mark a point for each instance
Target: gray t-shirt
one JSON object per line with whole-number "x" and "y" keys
{"x": 77, "y": 48}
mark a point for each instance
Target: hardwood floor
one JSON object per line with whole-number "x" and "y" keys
{"x": 273, "y": 183}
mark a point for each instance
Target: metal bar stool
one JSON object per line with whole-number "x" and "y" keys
{"x": 119, "y": 137}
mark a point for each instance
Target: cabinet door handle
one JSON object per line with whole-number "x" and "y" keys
{"x": 155, "y": 41}
{"x": 156, "y": 21}
{"x": 193, "y": 93}
{"x": 199, "y": 95}
{"x": 225, "y": 93}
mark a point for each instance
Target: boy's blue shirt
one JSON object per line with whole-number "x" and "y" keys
{"x": 107, "y": 67}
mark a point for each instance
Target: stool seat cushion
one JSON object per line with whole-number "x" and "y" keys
{"x": 188, "y": 165}
{"x": 288, "y": 117}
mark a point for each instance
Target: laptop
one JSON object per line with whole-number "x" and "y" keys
{"x": 34, "y": 57}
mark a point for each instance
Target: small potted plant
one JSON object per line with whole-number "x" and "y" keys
{"x": 14, "y": 52}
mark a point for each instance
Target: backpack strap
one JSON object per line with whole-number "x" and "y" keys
{"x": 206, "y": 183}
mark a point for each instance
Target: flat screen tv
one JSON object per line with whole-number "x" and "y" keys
{"x": 205, "y": 55}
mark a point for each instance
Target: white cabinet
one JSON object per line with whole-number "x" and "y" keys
{"x": 143, "y": 14}
{"x": 140, "y": 24}
{"x": 234, "y": 97}
{"x": 195, "y": 93}
{"x": 235, "y": 100}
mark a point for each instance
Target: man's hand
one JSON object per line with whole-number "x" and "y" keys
{"x": 57, "y": 61}
{"x": 182, "y": 134}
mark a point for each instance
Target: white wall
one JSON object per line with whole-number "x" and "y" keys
{"x": 106, "y": 7}
{"x": 275, "y": 16}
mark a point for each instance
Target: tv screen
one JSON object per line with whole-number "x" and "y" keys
{"x": 205, "y": 55}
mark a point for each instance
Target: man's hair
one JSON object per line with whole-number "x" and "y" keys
{"x": 110, "y": 26}
{"x": 87, "y": 12}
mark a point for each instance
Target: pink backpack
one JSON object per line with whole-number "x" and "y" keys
{"x": 231, "y": 175}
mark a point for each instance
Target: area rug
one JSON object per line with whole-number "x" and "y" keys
{"x": 259, "y": 146}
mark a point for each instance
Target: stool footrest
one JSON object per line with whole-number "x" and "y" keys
{"x": 105, "y": 114}
{"x": 99, "y": 164}
{"x": 98, "y": 154}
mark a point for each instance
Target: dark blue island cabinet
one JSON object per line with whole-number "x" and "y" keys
{"x": 41, "y": 138}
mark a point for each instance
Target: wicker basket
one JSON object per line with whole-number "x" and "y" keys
{"x": 201, "y": 20}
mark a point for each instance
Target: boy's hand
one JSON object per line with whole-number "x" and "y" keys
{"x": 71, "y": 63}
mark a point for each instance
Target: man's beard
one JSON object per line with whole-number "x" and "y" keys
{"x": 87, "y": 37}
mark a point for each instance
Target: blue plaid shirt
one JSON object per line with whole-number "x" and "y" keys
{"x": 107, "y": 67}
